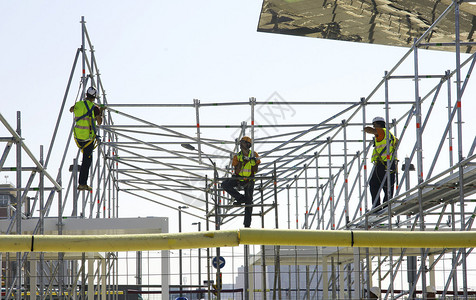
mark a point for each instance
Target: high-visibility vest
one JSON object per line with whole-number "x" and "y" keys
{"x": 246, "y": 168}
{"x": 84, "y": 117}
{"x": 380, "y": 149}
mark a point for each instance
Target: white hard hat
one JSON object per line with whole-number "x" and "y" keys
{"x": 378, "y": 119}
{"x": 375, "y": 290}
{"x": 91, "y": 92}
{"x": 431, "y": 289}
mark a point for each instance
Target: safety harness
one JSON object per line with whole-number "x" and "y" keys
{"x": 89, "y": 114}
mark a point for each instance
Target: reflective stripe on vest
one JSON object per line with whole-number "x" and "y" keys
{"x": 246, "y": 168}
{"x": 83, "y": 129}
{"x": 380, "y": 150}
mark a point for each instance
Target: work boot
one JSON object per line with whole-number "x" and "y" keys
{"x": 84, "y": 187}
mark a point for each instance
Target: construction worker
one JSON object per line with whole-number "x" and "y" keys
{"x": 379, "y": 158}
{"x": 245, "y": 165}
{"x": 86, "y": 114}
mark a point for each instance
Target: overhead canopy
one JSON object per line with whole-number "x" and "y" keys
{"x": 395, "y": 22}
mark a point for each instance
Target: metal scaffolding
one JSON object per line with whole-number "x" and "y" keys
{"x": 314, "y": 173}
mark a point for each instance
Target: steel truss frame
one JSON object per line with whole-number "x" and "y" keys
{"x": 139, "y": 158}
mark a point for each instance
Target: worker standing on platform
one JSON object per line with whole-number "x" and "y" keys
{"x": 246, "y": 165}
{"x": 379, "y": 158}
{"x": 86, "y": 114}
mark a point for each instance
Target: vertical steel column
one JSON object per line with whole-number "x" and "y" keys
{"x": 331, "y": 186}
{"x": 33, "y": 274}
{"x": 419, "y": 149}
{"x": 277, "y": 256}
{"x": 389, "y": 185}
{"x": 357, "y": 294}
{"x": 296, "y": 196}
{"x": 349, "y": 281}
{"x": 306, "y": 203}
{"x": 42, "y": 226}
{"x": 346, "y": 175}
{"x": 450, "y": 128}
{"x": 263, "y": 249}
{"x": 333, "y": 279}
{"x": 253, "y": 104}
{"x": 450, "y": 153}
{"x": 180, "y": 250}
{"x": 365, "y": 153}
{"x": 359, "y": 178}
{"x": 289, "y": 205}
{"x": 340, "y": 270}
{"x": 196, "y": 104}
{"x": 217, "y": 227}
{"x": 318, "y": 202}
{"x": 61, "y": 273}
{"x": 207, "y": 226}
{"x": 83, "y": 276}
{"x": 18, "y": 205}
{"x": 91, "y": 271}
{"x": 325, "y": 278}
{"x": 115, "y": 191}
{"x": 75, "y": 188}
{"x": 411, "y": 260}
{"x": 296, "y": 265}
{"x": 366, "y": 181}
{"x": 387, "y": 149}
{"x": 306, "y": 226}
{"x": 460, "y": 141}
{"x": 139, "y": 268}
{"x": 83, "y": 50}
{"x": 289, "y": 227}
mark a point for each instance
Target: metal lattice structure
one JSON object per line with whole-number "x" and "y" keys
{"x": 323, "y": 164}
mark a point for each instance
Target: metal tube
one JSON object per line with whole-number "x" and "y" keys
{"x": 331, "y": 187}
{"x": 18, "y": 205}
{"x": 419, "y": 150}
{"x": 196, "y": 104}
{"x": 296, "y": 265}
{"x": 346, "y": 177}
{"x": 42, "y": 227}
{"x": 253, "y": 104}
{"x": 263, "y": 251}
{"x": 389, "y": 185}
{"x": 318, "y": 199}
{"x": 460, "y": 140}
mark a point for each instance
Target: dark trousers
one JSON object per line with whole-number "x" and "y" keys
{"x": 230, "y": 185}
{"x": 86, "y": 164}
{"x": 376, "y": 180}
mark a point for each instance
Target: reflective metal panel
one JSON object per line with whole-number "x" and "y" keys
{"x": 387, "y": 22}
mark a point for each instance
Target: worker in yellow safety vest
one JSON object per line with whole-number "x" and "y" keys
{"x": 245, "y": 165}
{"x": 86, "y": 114}
{"x": 379, "y": 159}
